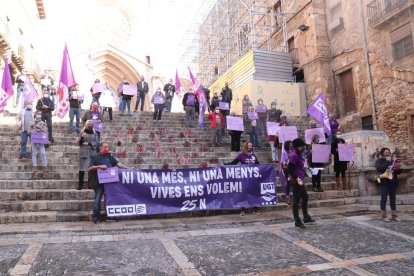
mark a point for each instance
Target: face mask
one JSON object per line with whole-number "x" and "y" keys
{"x": 250, "y": 149}
{"x": 217, "y": 111}
{"x": 94, "y": 108}
{"x": 29, "y": 106}
{"x": 316, "y": 142}
{"x": 90, "y": 127}
{"x": 260, "y": 102}
{"x": 38, "y": 117}
{"x": 45, "y": 96}
{"x": 386, "y": 155}
{"x": 105, "y": 150}
{"x": 289, "y": 148}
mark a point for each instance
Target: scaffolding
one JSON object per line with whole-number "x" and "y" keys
{"x": 232, "y": 28}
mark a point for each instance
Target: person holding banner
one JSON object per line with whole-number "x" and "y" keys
{"x": 252, "y": 124}
{"x": 24, "y": 120}
{"x": 226, "y": 97}
{"x": 126, "y": 99}
{"x": 96, "y": 91}
{"x": 340, "y": 167}
{"x": 261, "y": 110}
{"x": 38, "y": 125}
{"x": 384, "y": 166}
{"x": 158, "y": 99}
{"x": 247, "y": 156}
{"x": 88, "y": 146}
{"x": 296, "y": 176}
{"x": 316, "y": 168}
{"x": 235, "y": 137}
{"x": 216, "y": 126}
{"x": 75, "y": 108}
{"x": 103, "y": 161}
{"x": 189, "y": 103}
{"x": 94, "y": 115}
{"x": 274, "y": 113}
{"x": 46, "y": 106}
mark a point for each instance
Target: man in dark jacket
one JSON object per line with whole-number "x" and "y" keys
{"x": 46, "y": 106}
{"x": 142, "y": 87}
{"x": 227, "y": 97}
{"x": 189, "y": 103}
{"x": 169, "y": 90}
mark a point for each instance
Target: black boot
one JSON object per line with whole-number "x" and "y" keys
{"x": 306, "y": 217}
{"x": 298, "y": 222}
{"x": 81, "y": 175}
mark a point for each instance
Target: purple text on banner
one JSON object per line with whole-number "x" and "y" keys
{"x": 142, "y": 192}
{"x": 130, "y": 89}
{"x": 109, "y": 175}
{"x": 309, "y": 133}
{"x": 287, "y": 133}
{"x": 234, "y": 123}
{"x": 224, "y": 106}
{"x": 320, "y": 153}
{"x": 39, "y": 137}
{"x": 272, "y": 128}
{"x": 252, "y": 115}
{"x": 346, "y": 152}
{"x": 261, "y": 108}
{"x": 97, "y": 88}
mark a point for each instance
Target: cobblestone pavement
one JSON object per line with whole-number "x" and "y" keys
{"x": 344, "y": 240}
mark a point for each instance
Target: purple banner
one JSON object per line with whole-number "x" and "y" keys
{"x": 272, "y": 128}
{"x": 320, "y": 153}
{"x": 252, "y": 116}
{"x": 224, "y": 106}
{"x": 109, "y": 175}
{"x": 287, "y": 133}
{"x": 39, "y": 137}
{"x": 142, "y": 192}
{"x": 261, "y": 108}
{"x": 346, "y": 152}
{"x": 318, "y": 111}
{"x": 97, "y": 88}
{"x": 235, "y": 123}
{"x": 309, "y": 133}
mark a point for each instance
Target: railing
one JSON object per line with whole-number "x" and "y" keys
{"x": 294, "y": 53}
{"x": 379, "y": 10}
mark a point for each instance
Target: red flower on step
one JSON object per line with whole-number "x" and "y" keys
{"x": 165, "y": 166}
{"x": 180, "y": 160}
{"x": 203, "y": 164}
{"x": 122, "y": 154}
{"x": 204, "y": 149}
{"x": 152, "y": 135}
{"x": 194, "y": 155}
{"x": 158, "y": 154}
{"x": 214, "y": 160}
{"x": 140, "y": 148}
{"x": 188, "y": 132}
{"x": 170, "y": 139}
{"x": 131, "y": 131}
{"x": 120, "y": 134}
{"x": 139, "y": 128}
{"x": 186, "y": 144}
{"x": 187, "y": 160}
{"x": 135, "y": 139}
{"x": 173, "y": 150}
{"x": 138, "y": 160}
{"x": 181, "y": 135}
{"x": 195, "y": 140}
{"x": 157, "y": 144}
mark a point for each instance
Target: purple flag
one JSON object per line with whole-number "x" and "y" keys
{"x": 192, "y": 78}
{"x": 318, "y": 111}
{"x": 177, "y": 81}
{"x": 203, "y": 107}
{"x": 66, "y": 80}
{"x": 6, "y": 90}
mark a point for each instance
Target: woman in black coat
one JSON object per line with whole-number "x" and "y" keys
{"x": 340, "y": 167}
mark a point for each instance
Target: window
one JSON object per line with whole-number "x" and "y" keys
{"x": 402, "y": 42}
{"x": 367, "y": 123}
{"x": 346, "y": 87}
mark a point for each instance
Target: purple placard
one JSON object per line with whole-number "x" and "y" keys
{"x": 158, "y": 100}
{"x": 224, "y": 106}
{"x": 39, "y": 137}
{"x": 261, "y": 108}
{"x": 309, "y": 133}
{"x": 320, "y": 153}
{"x": 234, "y": 123}
{"x": 346, "y": 152}
{"x": 272, "y": 128}
{"x": 78, "y": 95}
{"x": 287, "y": 133}
{"x": 97, "y": 88}
{"x": 252, "y": 116}
{"x": 142, "y": 192}
{"x": 98, "y": 126}
{"x": 110, "y": 175}
{"x": 130, "y": 89}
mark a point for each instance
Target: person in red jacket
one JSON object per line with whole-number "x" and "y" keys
{"x": 216, "y": 125}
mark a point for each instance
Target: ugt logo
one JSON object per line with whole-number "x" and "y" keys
{"x": 268, "y": 191}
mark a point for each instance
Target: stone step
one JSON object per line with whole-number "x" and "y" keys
{"x": 65, "y": 216}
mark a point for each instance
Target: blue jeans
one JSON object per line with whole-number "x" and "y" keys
{"x": 38, "y": 148}
{"x": 254, "y": 137}
{"x": 72, "y": 113}
{"x": 95, "y": 99}
{"x": 19, "y": 91}
{"x": 25, "y": 135}
{"x": 99, "y": 192}
{"x": 126, "y": 103}
{"x": 140, "y": 97}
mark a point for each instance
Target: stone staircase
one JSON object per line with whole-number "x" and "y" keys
{"x": 51, "y": 196}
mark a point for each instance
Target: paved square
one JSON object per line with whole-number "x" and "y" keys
{"x": 243, "y": 253}
{"x": 395, "y": 267}
{"x": 330, "y": 272}
{"x": 404, "y": 227}
{"x": 136, "y": 257}
{"x": 349, "y": 241}
{"x": 9, "y": 256}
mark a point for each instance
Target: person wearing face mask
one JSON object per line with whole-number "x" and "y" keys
{"x": 296, "y": 176}
{"x": 107, "y": 101}
{"x": 169, "y": 90}
{"x": 46, "y": 106}
{"x": 158, "y": 100}
{"x": 273, "y": 116}
{"x": 75, "y": 108}
{"x": 383, "y": 165}
{"x": 252, "y": 125}
{"x": 227, "y": 97}
{"x": 215, "y": 101}
{"x": 189, "y": 103}
{"x": 246, "y": 157}
{"x": 126, "y": 99}
{"x": 315, "y": 168}
{"x": 103, "y": 160}
{"x": 284, "y": 160}
{"x": 93, "y": 114}
{"x": 216, "y": 126}
{"x": 88, "y": 146}
{"x": 24, "y": 120}
{"x": 96, "y": 95}
{"x": 142, "y": 87}
{"x": 261, "y": 110}
{"x": 235, "y": 137}
{"x": 37, "y": 125}
{"x": 340, "y": 167}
